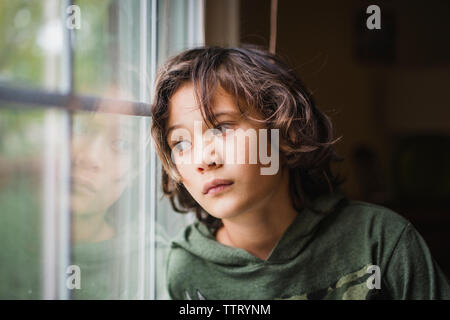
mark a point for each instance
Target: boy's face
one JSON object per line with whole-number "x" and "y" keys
{"x": 250, "y": 190}
{"x": 101, "y": 150}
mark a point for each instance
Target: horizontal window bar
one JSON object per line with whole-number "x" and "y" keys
{"x": 73, "y": 102}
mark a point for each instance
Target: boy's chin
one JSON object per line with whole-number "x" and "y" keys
{"x": 224, "y": 211}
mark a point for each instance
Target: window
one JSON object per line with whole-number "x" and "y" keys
{"x": 81, "y": 209}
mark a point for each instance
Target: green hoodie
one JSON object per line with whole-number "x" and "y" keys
{"x": 339, "y": 249}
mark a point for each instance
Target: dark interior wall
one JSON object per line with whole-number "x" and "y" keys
{"x": 255, "y": 22}
{"x": 318, "y": 40}
{"x": 222, "y": 23}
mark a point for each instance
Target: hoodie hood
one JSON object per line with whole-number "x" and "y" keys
{"x": 198, "y": 240}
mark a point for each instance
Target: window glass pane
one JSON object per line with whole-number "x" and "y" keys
{"x": 112, "y": 48}
{"x": 106, "y": 182}
{"x": 32, "y": 44}
{"x": 112, "y": 58}
{"x": 95, "y": 46}
{"x": 180, "y": 26}
{"x": 82, "y": 215}
{"x": 32, "y": 178}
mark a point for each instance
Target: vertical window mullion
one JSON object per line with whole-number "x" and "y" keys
{"x": 56, "y": 174}
{"x": 64, "y": 229}
{"x": 66, "y": 180}
{"x": 49, "y": 215}
{"x": 191, "y": 24}
{"x": 153, "y": 158}
{"x": 200, "y": 18}
{"x": 142, "y": 154}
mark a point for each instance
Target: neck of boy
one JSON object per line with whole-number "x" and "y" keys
{"x": 259, "y": 230}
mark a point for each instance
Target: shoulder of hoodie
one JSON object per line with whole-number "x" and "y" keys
{"x": 356, "y": 211}
{"x": 364, "y": 220}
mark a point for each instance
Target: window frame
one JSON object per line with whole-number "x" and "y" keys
{"x": 57, "y": 219}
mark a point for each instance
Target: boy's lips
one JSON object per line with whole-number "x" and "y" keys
{"x": 214, "y": 184}
{"x": 83, "y": 184}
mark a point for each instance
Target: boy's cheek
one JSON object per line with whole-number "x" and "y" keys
{"x": 240, "y": 149}
{"x": 192, "y": 185}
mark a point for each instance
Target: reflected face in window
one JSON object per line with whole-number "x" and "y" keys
{"x": 249, "y": 189}
{"x": 101, "y": 161}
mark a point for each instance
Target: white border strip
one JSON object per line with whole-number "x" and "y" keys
{"x": 153, "y": 176}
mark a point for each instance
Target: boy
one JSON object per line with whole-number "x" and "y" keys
{"x": 280, "y": 227}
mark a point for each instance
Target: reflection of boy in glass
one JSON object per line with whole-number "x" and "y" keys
{"x": 102, "y": 146}
{"x": 104, "y": 205}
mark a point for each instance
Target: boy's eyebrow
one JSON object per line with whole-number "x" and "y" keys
{"x": 218, "y": 114}
{"x": 172, "y": 128}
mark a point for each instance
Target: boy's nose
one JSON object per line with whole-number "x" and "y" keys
{"x": 208, "y": 166}
{"x": 210, "y": 161}
{"x": 90, "y": 155}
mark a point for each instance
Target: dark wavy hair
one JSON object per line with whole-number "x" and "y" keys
{"x": 259, "y": 80}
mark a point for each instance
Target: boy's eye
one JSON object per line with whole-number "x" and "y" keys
{"x": 182, "y": 145}
{"x": 222, "y": 128}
